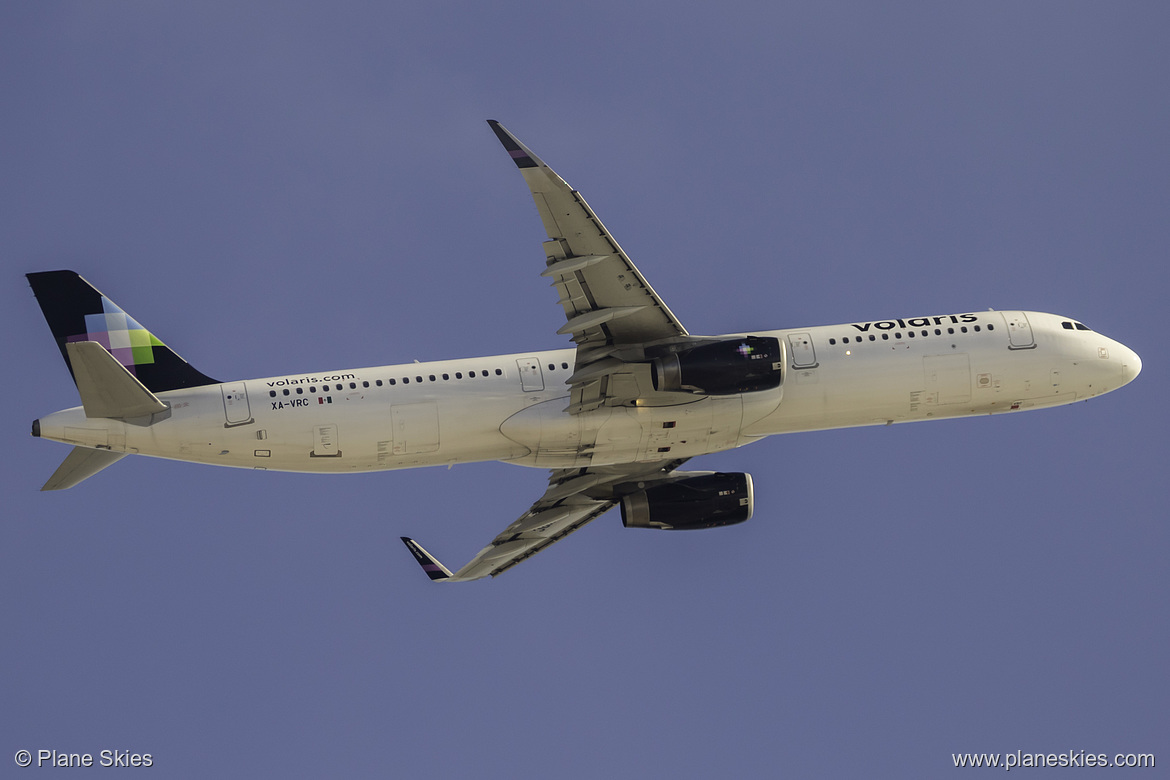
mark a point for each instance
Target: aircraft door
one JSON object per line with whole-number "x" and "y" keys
{"x": 235, "y": 404}
{"x": 804, "y": 355}
{"x": 1019, "y": 330}
{"x": 531, "y": 377}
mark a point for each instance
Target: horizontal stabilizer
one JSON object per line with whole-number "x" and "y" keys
{"x": 107, "y": 389}
{"x": 79, "y": 465}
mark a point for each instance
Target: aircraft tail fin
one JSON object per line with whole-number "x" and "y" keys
{"x": 77, "y": 312}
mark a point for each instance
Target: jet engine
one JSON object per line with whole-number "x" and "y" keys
{"x": 721, "y": 368}
{"x": 703, "y": 501}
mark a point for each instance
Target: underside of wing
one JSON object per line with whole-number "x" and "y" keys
{"x": 611, "y": 311}
{"x": 573, "y": 498}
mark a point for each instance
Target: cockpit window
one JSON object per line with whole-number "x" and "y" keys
{"x": 1082, "y": 327}
{"x": 1074, "y": 326}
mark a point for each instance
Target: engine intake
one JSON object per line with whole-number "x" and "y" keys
{"x": 704, "y": 501}
{"x": 722, "y": 368}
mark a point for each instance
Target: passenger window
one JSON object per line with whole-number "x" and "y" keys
{"x": 378, "y": 382}
{"x": 365, "y": 384}
{"x": 458, "y": 374}
{"x": 564, "y": 365}
{"x": 885, "y": 337}
{"x": 499, "y": 372}
{"x": 872, "y": 337}
{"x": 963, "y": 329}
{"x": 285, "y": 391}
{"x": 951, "y": 331}
{"x": 432, "y": 377}
{"x": 832, "y": 342}
{"x": 406, "y": 380}
{"x": 272, "y": 393}
{"x": 313, "y": 389}
{"x": 991, "y": 327}
{"x": 300, "y": 391}
{"x": 392, "y": 381}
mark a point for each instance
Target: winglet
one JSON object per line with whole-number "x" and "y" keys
{"x": 435, "y": 570}
{"x": 521, "y": 154}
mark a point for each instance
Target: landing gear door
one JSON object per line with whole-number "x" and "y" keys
{"x": 235, "y": 405}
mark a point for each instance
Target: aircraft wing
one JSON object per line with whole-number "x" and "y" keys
{"x": 609, "y": 306}
{"x": 573, "y": 498}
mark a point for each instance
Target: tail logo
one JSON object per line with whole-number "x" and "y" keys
{"x": 130, "y": 343}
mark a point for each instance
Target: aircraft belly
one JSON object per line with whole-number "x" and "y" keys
{"x": 623, "y": 434}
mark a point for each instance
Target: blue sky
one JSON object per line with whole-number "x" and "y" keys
{"x": 285, "y": 187}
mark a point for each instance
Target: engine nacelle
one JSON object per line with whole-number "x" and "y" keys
{"x": 704, "y": 501}
{"x": 722, "y": 368}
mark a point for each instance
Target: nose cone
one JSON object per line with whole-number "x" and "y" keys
{"x": 1131, "y": 364}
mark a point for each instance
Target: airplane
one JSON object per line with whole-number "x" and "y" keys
{"x": 612, "y": 417}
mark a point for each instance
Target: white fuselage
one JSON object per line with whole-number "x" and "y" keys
{"x": 513, "y": 407}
